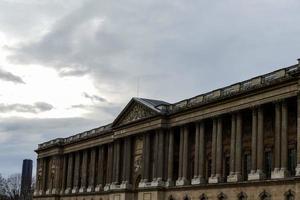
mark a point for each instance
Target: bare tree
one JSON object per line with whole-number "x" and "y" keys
{"x": 13, "y": 186}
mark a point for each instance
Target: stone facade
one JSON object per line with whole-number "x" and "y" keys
{"x": 238, "y": 142}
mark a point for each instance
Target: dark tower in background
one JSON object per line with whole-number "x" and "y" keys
{"x": 26, "y": 191}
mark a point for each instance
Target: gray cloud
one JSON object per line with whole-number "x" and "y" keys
{"x": 169, "y": 44}
{"x": 7, "y": 76}
{"x": 94, "y": 98}
{"x": 23, "y": 135}
{"x": 26, "y": 108}
{"x": 73, "y": 72}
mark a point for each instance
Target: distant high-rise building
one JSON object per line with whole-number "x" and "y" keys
{"x": 26, "y": 180}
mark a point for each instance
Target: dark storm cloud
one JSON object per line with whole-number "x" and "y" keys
{"x": 26, "y": 108}
{"x": 7, "y": 76}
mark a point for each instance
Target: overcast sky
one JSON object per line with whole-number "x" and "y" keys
{"x": 69, "y": 66}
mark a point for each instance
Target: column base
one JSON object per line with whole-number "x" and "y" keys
{"x": 182, "y": 181}
{"x": 298, "y": 170}
{"x": 144, "y": 184}
{"x": 55, "y": 191}
{"x": 62, "y": 191}
{"x": 169, "y": 183}
{"x": 215, "y": 179}
{"x": 234, "y": 177}
{"x": 279, "y": 173}
{"x": 114, "y": 186}
{"x": 197, "y": 180}
{"x": 106, "y": 187}
{"x": 125, "y": 185}
{"x": 48, "y": 191}
{"x": 36, "y": 193}
{"x": 75, "y": 190}
{"x": 68, "y": 191}
{"x": 98, "y": 188}
{"x": 82, "y": 190}
{"x": 41, "y": 192}
{"x": 258, "y": 175}
{"x": 90, "y": 189}
{"x": 158, "y": 183}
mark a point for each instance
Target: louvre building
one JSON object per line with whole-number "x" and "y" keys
{"x": 234, "y": 143}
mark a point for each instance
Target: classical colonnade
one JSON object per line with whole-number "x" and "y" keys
{"x": 173, "y": 156}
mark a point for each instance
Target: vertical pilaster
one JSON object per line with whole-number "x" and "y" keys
{"x": 126, "y": 164}
{"x": 260, "y": 142}
{"x": 100, "y": 169}
{"x": 116, "y": 163}
{"x": 159, "y": 159}
{"x": 180, "y": 155}
{"x": 199, "y": 155}
{"x": 44, "y": 176}
{"x": 219, "y": 160}
{"x": 253, "y": 143}
{"x": 92, "y": 171}
{"x": 170, "y": 181}
{"x": 57, "y": 168}
{"x": 213, "y": 151}
{"x": 70, "y": 174}
{"x": 232, "y": 146}
{"x": 84, "y": 168}
{"x": 146, "y": 160}
{"x": 238, "y": 150}
{"x": 64, "y": 174}
{"x": 284, "y": 140}
{"x": 277, "y": 139}
{"x": 298, "y": 136}
{"x": 109, "y": 168}
{"x": 76, "y": 173}
{"x": 38, "y": 179}
{"x": 184, "y": 142}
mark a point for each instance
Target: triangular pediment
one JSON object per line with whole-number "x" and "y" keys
{"x": 134, "y": 111}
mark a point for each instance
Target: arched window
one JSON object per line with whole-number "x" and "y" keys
{"x": 265, "y": 196}
{"x": 222, "y": 196}
{"x": 289, "y": 195}
{"x": 203, "y": 197}
{"x": 242, "y": 196}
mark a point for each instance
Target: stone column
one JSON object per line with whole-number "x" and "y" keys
{"x": 170, "y": 181}
{"x": 116, "y": 165}
{"x": 84, "y": 169}
{"x": 200, "y": 155}
{"x": 284, "y": 141}
{"x": 219, "y": 161}
{"x": 180, "y": 155}
{"x": 185, "y": 157}
{"x": 197, "y": 152}
{"x": 92, "y": 171}
{"x": 50, "y": 175}
{"x": 230, "y": 178}
{"x": 260, "y": 143}
{"x": 38, "y": 178}
{"x": 100, "y": 169}
{"x": 238, "y": 150}
{"x": 146, "y": 161}
{"x": 213, "y": 152}
{"x": 160, "y": 159}
{"x": 44, "y": 176}
{"x": 64, "y": 174}
{"x": 253, "y": 145}
{"x": 126, "y": 164}
{"x": 298, "y": 136}
{"x": 109, "y": 168}
{"x": 76, "y": 173}
{"x": 57, "y": 168}
{"x": 70, "y": 174}
{"x": 275, "y": 173}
